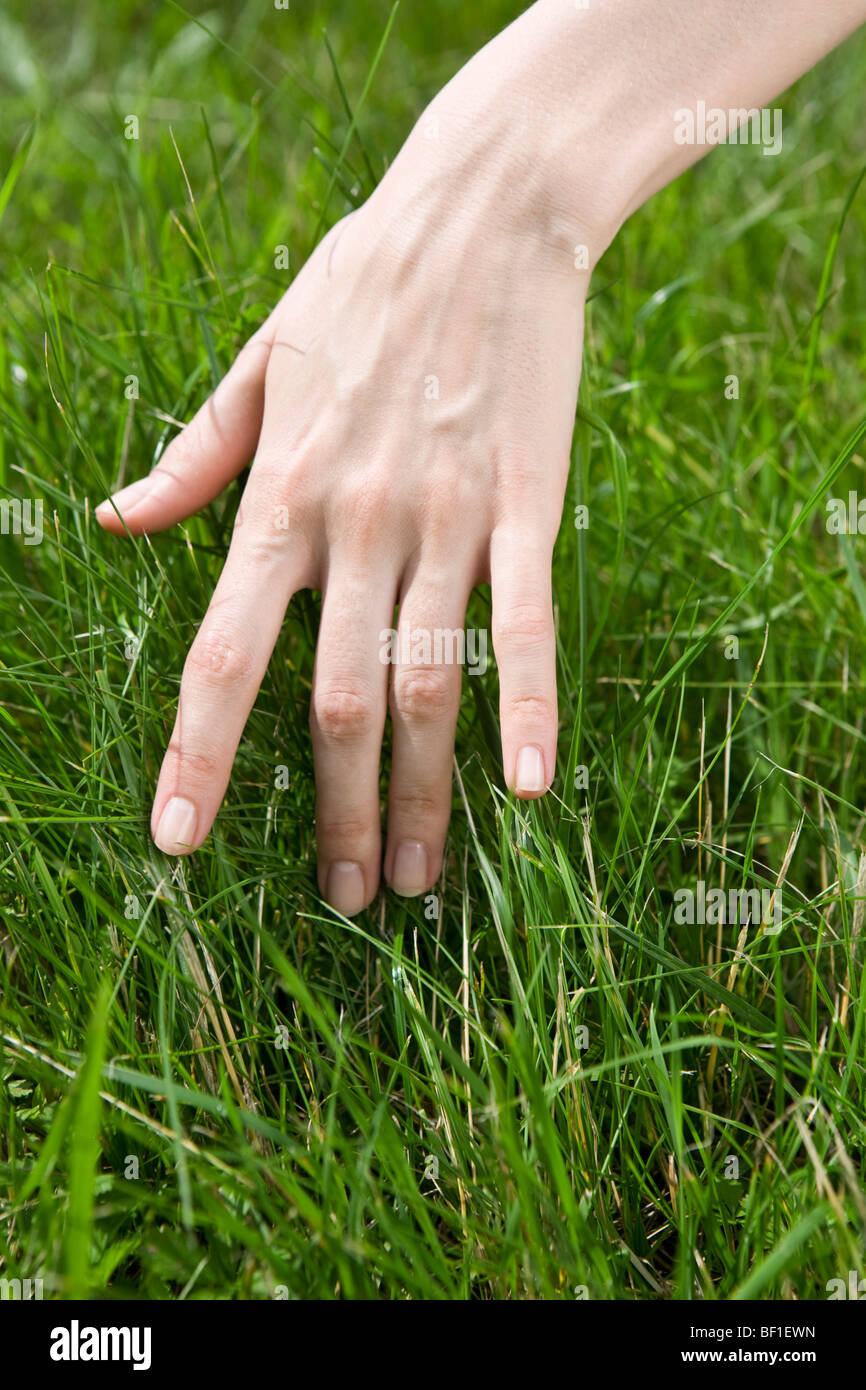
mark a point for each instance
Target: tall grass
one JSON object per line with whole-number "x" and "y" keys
{"x": 536, "y": 1082}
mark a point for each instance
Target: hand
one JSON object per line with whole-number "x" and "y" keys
{"x": 410, "y": 405}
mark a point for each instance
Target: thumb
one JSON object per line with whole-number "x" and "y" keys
{"x": 214, "y": 447}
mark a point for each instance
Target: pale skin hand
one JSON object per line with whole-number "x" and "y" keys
{"x": 390, "y": 498}
{"x": 366, "y": 486}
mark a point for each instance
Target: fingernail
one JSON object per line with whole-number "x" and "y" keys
{"x": 530, "y": 770}
{"x": 176, "y": 827}
{"x": 409, "y": 876}
{"x": 346, "y": 887}
{"x": 126, "y": 500}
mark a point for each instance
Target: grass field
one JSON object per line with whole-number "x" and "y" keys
{"x": 538, "y": 1082}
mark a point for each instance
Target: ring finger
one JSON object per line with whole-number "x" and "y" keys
{"x": 431, "y": 648}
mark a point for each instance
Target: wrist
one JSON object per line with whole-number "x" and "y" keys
{"x": 566, "y": 122}
{"x": 518, "y": 145}
{"x": 618, "y": 90}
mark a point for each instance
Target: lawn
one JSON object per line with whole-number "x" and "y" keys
{"x": 542, "y": 1081}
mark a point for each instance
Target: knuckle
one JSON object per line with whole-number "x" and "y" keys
{"x": 519, "y": 476}
{"x": 422, "y": 692}
{"x": 524, "y": 625}
{"x": 412, "y": 807}
{"x": 264, "y": 548}
{"x": 343, "y": 712}
{"x": 341, "y": 830}
{"x": 220, "y": 656}
{"x": 198, "y": 766}
{"x": 452, "y": 495}
{"x": 363, "y": 508}
{"x": 531, "y": 709}
{"x": 276, "y": 506}
{"x": 262, "y": 531}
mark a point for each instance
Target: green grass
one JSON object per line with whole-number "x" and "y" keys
{"x": 212, "y": 1085}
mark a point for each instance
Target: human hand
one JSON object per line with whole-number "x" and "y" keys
{"x": 410, "y": 404}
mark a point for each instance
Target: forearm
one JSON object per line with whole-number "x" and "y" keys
{"x": 643, "y": 63}
{"x": 573, "y": 113}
